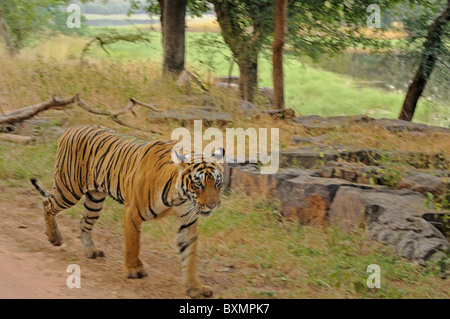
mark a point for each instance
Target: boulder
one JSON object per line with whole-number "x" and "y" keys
{"x": 425, "y": 183}
{"x": 249, "y": 179}
{"x": 307, "y": 198}
{"x": 361, "y": 174}
{"x": 318, "y": 155}
{"x": 206, "y": 114}
{"x": 227, "y": 79}
{"x": 316, "y": 123}
{"x": 395, "y": 125}
{"x": 317, "y": 140}
{"x": 230, "y": 86}
{"x": 393, "y": 217}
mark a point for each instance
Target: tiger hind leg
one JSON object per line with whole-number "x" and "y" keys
{"x": 53, "y": 204}
{"x": 93, "y": 204}
{"x": 51, "y": 226}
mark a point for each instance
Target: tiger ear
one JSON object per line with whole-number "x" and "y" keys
{"x": 218, "y": 154}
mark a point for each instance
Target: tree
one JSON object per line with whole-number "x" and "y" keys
{"x": 245, "y": 27}
{"x": 314, "y": 28}
{"x": 6, "y": 35}
{"x": 433, "y": 47}
{"x": 19, "y": 18}
{"x": 172, "y": 17}
{"x": 173, "y": 30}
{"x": 277, "y": 52}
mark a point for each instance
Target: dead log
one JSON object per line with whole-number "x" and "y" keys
{"x": 59, "y": 103}
{"x": 30, "y": 111}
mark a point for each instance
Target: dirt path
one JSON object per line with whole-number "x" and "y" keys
{"x": 30, "y": 267}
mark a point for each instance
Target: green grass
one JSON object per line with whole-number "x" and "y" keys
{"x": 19, "y": 164}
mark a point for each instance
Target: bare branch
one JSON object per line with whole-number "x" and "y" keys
{"x": 59, "y": 103}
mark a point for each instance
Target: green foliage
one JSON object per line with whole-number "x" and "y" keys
{"x": 319, "y": 27}
{"x": 417, "y": 19}
{"x": 22, "y": 17}
{"x": 195, "y": 8}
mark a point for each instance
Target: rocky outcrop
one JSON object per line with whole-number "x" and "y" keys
{"x": 207, "y": 114}
{"x": 393, "y": 217}
{"x": 426, "y": 183}
{"x": 349, "y": 187}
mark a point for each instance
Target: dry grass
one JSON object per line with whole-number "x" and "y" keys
{"x": 109, "y": 84}
{"x": 379, "y": 138}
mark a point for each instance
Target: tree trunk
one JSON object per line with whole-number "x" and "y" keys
{"x": 5, "y": 32}
{"x": 174, "y": 15}
{"x": 248, "y": 79}
{"x": 244, "y": 48}
{"x": 277, "y": 53}
{"x": 431, "y": 50}
{"x": 161, "y": 20}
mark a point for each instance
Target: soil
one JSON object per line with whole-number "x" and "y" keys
{"x": 30, "y": 267}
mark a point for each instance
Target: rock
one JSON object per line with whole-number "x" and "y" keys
{"x": 351, "y": 172}
{"x": 319, "y": 123}
{"x": 419, "y": 160}
{"x": 318, "y": 155}
{"x": 311, "y": 140}
{"x": 267, "y": 92}
{"x": 308, "y": 198}
{"x": 424, "y": 183}
{"x": 248, "y": 106}
{"x": 183, "y": 79}
{"x": 196, "y": 113}
{"x": 395, "y": 125}
{"x": 285, "y": 114}
{"x": 231, "y": 86}
{"x": 249, "y": 179}
{"x": 233, "y": 79}
{"x": 390, "y": 216}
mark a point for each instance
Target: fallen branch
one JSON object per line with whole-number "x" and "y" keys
{"x": 134, "y": 102}
{"x": 30, "y": 111}
{"x": 59, "y": 103}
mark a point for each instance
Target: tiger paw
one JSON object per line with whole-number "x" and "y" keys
{"x": 135, "y": 272}
{"x": 92, "y": 254}
{"x": 55, "y": 238}
{"x": 200, "y": 291}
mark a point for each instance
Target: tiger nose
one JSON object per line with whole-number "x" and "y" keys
{"x": 212, "y": 206}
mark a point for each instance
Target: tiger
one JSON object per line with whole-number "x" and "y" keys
{"x": 151, "y": 179}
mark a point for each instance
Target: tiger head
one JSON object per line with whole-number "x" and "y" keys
{"x": 200, "y": 179}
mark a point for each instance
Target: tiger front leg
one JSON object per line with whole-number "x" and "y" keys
{"x": 187, "y": 245}
{"x": 131, "y": 234}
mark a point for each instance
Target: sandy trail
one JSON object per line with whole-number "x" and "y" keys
{"x": 30, "y": 267}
